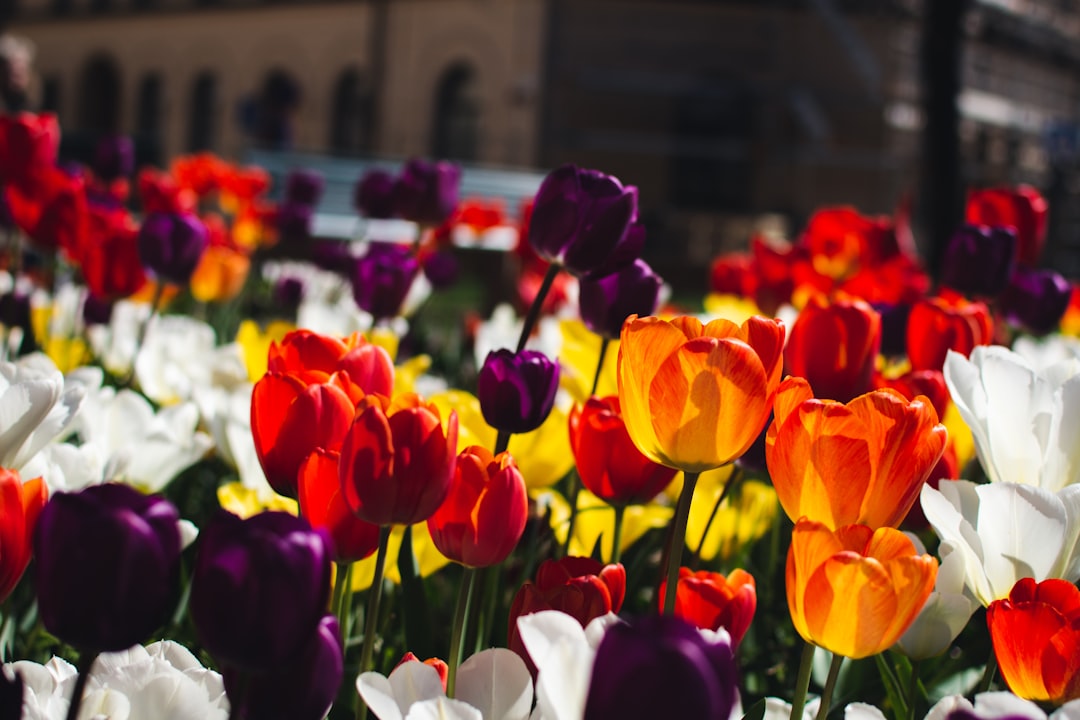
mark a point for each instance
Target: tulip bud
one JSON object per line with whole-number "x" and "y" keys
{"x": 1036, "y": 300}
{"x": 171, "y": 245}
{"x": 607, "y": 301}
{"x": 381, "y": 279}
{"x": 107, "y": 566}
{"x": 834, "y": 345}
{"x": 114, "y": 157}
{"x": 939, "y": 324}
{"x": 374, "y": 195}
{"x": 259, "y": 589}
{"x": 482, "y": 519}
{"x": 20, "y": 506}
{"x": 585, "y": 220}
{"x": 517, "y": 390}
{"x": 304, "y": 187}
{"x": 294, "y": 222}
{"x": 1021, "y": 208}
{"x": 441, "y": 268}
{"x": 427, "y": 192}
{"x": 711, "y": 601}
{"x": 979, "y": 260}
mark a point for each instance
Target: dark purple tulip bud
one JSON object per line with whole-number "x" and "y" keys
{"x": 302, "y": 690}
{"x": 288, "y": 292}
{"x": 11, "y": 694}
{"x": 894, "y": 322}
{"x": 332, "y": 256}
{"x": 382, "y": 277}
{"x": 979, "y": 260}
{"x": 1035, "y": 300}
{"x": 585, "y": 221}
{"x": 114, "y": 157}
{"x": 259, "y": 589}
{"x": 304, "y": 187}
{"x": 15, "y": 310}
{"x": 661, "y": 666}
{"x": 517, "y": 390}
{"x": 427, "y": 192}
{"x": 605, "y": 302}
{"x": 294, "y": 222}
{"x": 374, "y": 196}
{"x": 108, "y": 566}
{"x": 97, "y": 311}
{"x": 171, "y": 245}
{"x": 441, "y": 269}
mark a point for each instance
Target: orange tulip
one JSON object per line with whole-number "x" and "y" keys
{"x": 20, "y": 504}
{"x": 694, "y": 397}
{"x": 1036, "y": 637}
{"x": 711, "y": 601}
{"x": 939, "y": 324}
{"x": 863, "y": 462}
{"x": 855, "y": 590}
{"x": 220, "y": 274}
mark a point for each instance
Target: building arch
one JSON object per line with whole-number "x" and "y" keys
{"x": 202, "y": 122}
{"x": 351, "y": 113}
{"x": 100, "y": 95}
{"x": 279, "y": 99}
{"x": 148, "y": 119}
{"x": 455, "y": 126}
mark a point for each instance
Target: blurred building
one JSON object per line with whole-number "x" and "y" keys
{"x": 730, "y": 115}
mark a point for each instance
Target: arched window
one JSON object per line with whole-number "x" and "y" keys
{"x": 457, "y": 114}
{"x": 278, "y": 101}
{"x": 148, "y": 120}
{"x": 351, "y": 115}
{"x": 50, "y": 94}
{"x": 202, "y": 125}
{"x": 99, "y": 104}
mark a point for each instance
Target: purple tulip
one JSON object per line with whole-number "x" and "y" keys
{"x": 288, "y": 292}
{"x": 303, "y": 689}
{"x": 661, "y": 666}
{"x": 427, "y": 192}
{"x": 15, "y": 310}
{"x": 294, "y": 222}
{"x": 517, "y": 390}
{"x": 374, "y": 195}
{"x": 108, "y": 566}
{"x": 979, "y": 260}
{"x": 606, "y": 302}
{"x": 441, "y": 268}
{"x": 894, "y": 322}
{"x": 304, "y": 187}
{"x": 586, "y": 221}
{"x": 171, "y": 245}
{"x": 382, "y": 277}
{"x": 332, "y": 256}
{"x": 114, "y": 157}
{"x": 1035, "y": 300}
{"x": 97, "y": 310}
{"x": 259, "y": 589}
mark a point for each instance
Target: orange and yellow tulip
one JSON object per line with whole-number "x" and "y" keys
{"x": 20, "y": 504}
{"x": 693, "y": 396}
{"x": 855, "y": 590}
{"x": 220, "y": 274}
{"x": 862, "y": 462}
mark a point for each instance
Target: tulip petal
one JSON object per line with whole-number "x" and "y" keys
{"x": 497, "y": 683}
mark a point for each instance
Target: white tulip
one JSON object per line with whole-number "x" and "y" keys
{"x": 36, "y": 405}
{"x": 999, "y": 706}
{"x": 945, "y": 613}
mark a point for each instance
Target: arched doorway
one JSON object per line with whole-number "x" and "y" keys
{"x": 148, "y": 117}
{"x": 278, "y": 100}
{"x": 456, "y": 125}
{"x": 202, "y": 123}
{"x": 351, "y": 113}
{"x": 99, "y": 102}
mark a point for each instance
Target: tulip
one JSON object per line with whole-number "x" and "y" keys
{"x": 220, "y": 274}
{"x": 259, "y": 589}
{"x": 517, "y": 390}
{"x": 294, "y": 222}
{"x": 710, "y": 601}
{"x": 834, "y": 344}
{"x": 658, "y": 666}
{"x": 584, "y": 221}
{"x": 1020, "y": 418}
{"x": 382, "y": 278}
{"x": 114, "y": 157}
{"x": 441, "y": 268}
{"x": 1005, "y": 532}
{"x": 605, "y": 302}
{"x": 863, "y": 462}
{"x": 313, "y": 357}
{"x": 301, "y": 689}
{"x": 322, "y": 505}
{"x": 939, "y": 324}
{"x": 397, "y": 461}
{"x": 693, "y": 396}
{"x": 946, "y": 612}
{"x": 1021, "y": 208}
{"x": 996, "y": 706}
{"x": 610, "y": 465}
{"x": 107, "y": 566}
{"x": 581, "y": 587}
{"x": 427, "y": 192}
{"x": 979, "y": 260}
{"x": 930, "y": 383}
{"x": 840, "y": 240}
{"x": 1036, "y": 637}
{"x": 171, "y": 245}
{"x": 20, "y": 506}
{"x": 110, "y": 262}
{"x": 894, "y": 322}
{"x": 374, "y": 194}
{"x": 304, "y": 187}
{"x": 1036, "y": 300}
{"x": 28, "y": 144}
{"x": 733, "y": 274}
{"x": 855, "y": 590}
{"x": 483, "y": 517}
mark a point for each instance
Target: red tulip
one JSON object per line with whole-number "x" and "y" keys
{"x": 834, "y": 345}
{"x": 28, "y": 146}
{"x": 314, "y": 357}
{"x": 840, "y": 240}
{"x": 1021, "y": 208}
{"x": 939, "y": 324}
{"x": 482, "y": 519}
{"x": 711, "y": 601}
{"x": 610, "y": 465}
{"x": 323, "y": 506}
{"x": 1036, "y": 637}
{"x": 913, "y": 383}
{"x": 110, "y": 259}
{"x": 20, "y": 504}
{"x": 396, "y": 460}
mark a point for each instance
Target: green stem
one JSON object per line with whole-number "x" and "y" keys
{"x": 490, "y": 585}
{"x": 374, "y": 596}
{"x": 538, "y": 302}
{"x": 604, "y": 342}
{"x": 733, "y": 480}
{"x": 461, "y": 618}
{"x": 988, "y": 674}
{"x": 341, "y": 604}
{"x": 913, "y": 689}
{"x": 802, "y": 681}
{"x": 575, "y": 490}
{"x": 85, "y": 663}
{"x": 677, "y": 541}
{"x": 616, "y": 538}
{"x": 830, "y": 685}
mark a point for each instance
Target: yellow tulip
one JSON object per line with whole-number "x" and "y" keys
{"x": 595, "y": 521}
{"x": 244, "y": 501}
{"x": 578, "y": 358}
{"x": 255, "y": 343}
{"x": 745, "y": 515}
{"x": 428, "y": 558}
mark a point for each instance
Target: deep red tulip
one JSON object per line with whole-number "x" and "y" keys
{"x": 939, "y": 324}
{"x": 1021, "y": 208}
{"x": 20, "y": 504}
{"x": 841, "y": 239}
{"x": 322, "y": 505}
{"x": 110, "y": 258}
{"x": 610, "y": 465}
{"x": 834, "y": 345}
{"x": 314, "y": 357}
{"x": 711, "y": 601}
{"x": 28, "y": 146}
{"x": 482, "y": 519}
